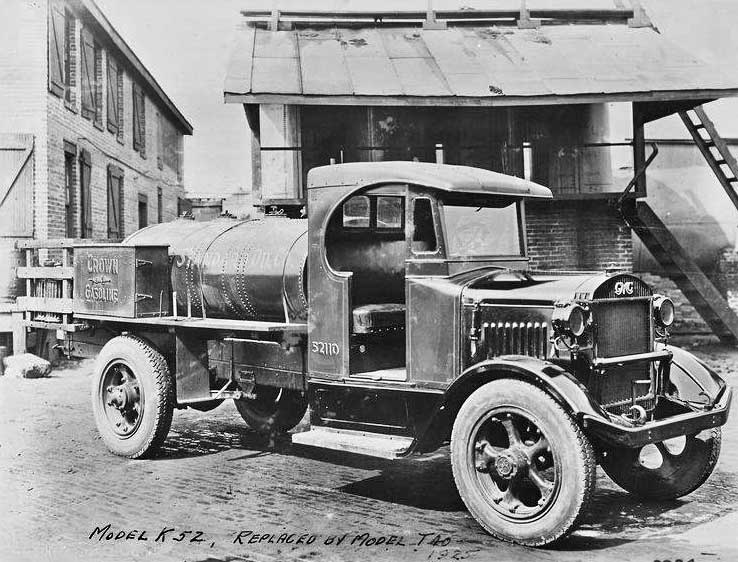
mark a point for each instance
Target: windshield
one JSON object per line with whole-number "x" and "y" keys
{"x": 482, "y": 231}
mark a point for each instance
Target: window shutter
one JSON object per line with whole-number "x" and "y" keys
{"x": 56, "y": 48}
{"x": 139, "y": 121}
{"x": 85, "y": 170}
{"x": 136, "y": 129}
{"x": 142, "y": 121}
{"x": 87, "y": 54}
{"x": 97, "y": 81}
{"x": 112, "y": 96}
{"x": 115, "y": 214}
{"x": 159, "y": 141}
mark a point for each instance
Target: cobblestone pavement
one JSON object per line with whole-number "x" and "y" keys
{"x": 216, "y": 479}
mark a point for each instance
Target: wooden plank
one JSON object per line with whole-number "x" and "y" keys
{"x": 238, "y": 76}
{"x": 45, "y": 272}
{"x": 43, "y": 304}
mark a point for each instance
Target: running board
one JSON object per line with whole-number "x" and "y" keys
{"x": 359, "y": 442}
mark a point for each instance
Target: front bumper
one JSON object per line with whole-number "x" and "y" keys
{"x": 653, "y": 432}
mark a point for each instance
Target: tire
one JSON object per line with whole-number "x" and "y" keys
{"x": 274, "y": 410}
{"x": 677, "y": 472}
{"x": 522, "y": 466}
{"x": 132, "y": 397}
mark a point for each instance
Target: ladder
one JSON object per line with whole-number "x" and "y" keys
{"x": 722, "y": 163}
{"x": 680, "y": 268}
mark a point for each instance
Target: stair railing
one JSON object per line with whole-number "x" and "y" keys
{"x": 631, "y": 184}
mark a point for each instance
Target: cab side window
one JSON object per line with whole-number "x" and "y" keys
{"x": 424, "y": 233}
{"x": 357, "y": 212}
{"x": 390, "y": 212}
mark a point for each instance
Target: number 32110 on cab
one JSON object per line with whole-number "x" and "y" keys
{"x": 403, "y": 313}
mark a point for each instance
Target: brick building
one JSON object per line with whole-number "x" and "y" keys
{"x": 90, "y": 144}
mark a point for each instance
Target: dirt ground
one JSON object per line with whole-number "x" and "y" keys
{"x": 218, "y": 492}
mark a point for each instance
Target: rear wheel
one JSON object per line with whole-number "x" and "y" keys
{"x": 132, "y": 397}
{"x": 522, "y": 466}
{"x": 666, "y": 470}
{"x": 274, "y": 410}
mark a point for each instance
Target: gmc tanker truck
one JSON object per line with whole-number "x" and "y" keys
{"x": 402, "y": 313}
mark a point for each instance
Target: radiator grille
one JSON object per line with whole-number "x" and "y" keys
{"x": 622, "y": 327}
{"x": 514, "y": 338}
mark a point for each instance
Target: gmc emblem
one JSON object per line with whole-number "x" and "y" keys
{"x": 624, "y": 288}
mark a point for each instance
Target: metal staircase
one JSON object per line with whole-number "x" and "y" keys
{"x": 679, "y": 267}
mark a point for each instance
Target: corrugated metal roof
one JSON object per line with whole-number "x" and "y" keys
{"x": 478, "y": 64}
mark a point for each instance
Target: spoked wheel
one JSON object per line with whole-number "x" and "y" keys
{"x": 666, "y": 470}
{"x": 273, "y": 410}
{"x": 522, "y": 466}
{"x": 132, "y": 397}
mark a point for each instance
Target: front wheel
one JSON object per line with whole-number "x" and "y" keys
{"x": 522, "y": 466}
{"x": 273, "y": 410}
{"x": 132, "y": 397}
{"x": 666, "y": 470}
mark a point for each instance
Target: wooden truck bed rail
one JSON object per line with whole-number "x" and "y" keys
{"x": 49, "y": 275}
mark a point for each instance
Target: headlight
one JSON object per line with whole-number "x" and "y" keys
{"x": 663, "y": 310}
{"x": 570, "y": 319}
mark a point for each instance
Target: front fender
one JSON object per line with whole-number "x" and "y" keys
{"x": 558, "y": 382}
{"x": 691, "y": 380}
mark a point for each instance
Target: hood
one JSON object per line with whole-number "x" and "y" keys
{"x": 537, "y": 288}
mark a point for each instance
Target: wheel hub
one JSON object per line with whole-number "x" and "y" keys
{"x": 123, "y": 396}
{"x": 122, "y": 399}
{"x": 510, "y": 463}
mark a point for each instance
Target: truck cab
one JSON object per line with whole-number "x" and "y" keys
{"x": 385, "y": 235}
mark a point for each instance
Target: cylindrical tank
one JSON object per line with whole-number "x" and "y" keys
{"x": 241, "y": 270}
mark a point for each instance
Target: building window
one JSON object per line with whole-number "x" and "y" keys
{"x": 115, "y": 99}
{"x": 143, "y": 210}
{"x": 139, "y": 120}
{"x": 85, "y": 173}
{"x": 159, "y": 205}
{"x": 91, "y": 62}
{"x": 115, "y": 202}
{"x": 70, "y": 155}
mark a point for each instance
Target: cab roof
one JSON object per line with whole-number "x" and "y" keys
{"x": 445, "y": 177}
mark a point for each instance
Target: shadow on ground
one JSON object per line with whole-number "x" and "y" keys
{"x": 426, "y": 483}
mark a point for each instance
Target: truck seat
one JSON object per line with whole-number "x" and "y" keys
{"x": 374, "y": 318}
